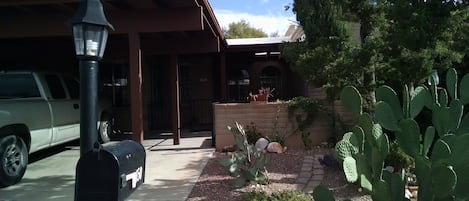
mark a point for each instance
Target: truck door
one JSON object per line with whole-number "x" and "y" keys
{"x": 65, "y": 111}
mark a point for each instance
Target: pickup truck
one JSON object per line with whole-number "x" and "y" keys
{"x": 39, "y": 110}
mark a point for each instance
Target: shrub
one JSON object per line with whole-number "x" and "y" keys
{"x": 290, "y": 195}
{"x": 286, "y": 195}
{"x": 398, "y": 158}
{"x": 255, "y": 196}
{"x": 277, "y": 137}
{"x": 252, "y": 134}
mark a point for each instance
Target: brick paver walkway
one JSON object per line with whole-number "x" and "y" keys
{"x": 311, "y": 174}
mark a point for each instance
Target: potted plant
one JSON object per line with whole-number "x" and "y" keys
{"x": 262, "y": 96}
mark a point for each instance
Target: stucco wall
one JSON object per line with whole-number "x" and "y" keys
{"x": 264, "y": 116}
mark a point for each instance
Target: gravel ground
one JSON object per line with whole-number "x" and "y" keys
{"x": 214, "y": 184}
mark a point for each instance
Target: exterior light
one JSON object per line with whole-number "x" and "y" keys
{"x": 90, "y": 30}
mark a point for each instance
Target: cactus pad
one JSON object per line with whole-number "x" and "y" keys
{"x": 385, "y": 116}
{"x": 464, "y": 90}
{"x": 452, "y": 83}
{"x": 388, "y": 95}
{"x": 409, "y": 137}
{"x": 352, "y": 100}
{"x": 344, "y": 148}
{"x": 350, "y": 169}
{"x": 419, "y": 98}
{"x": 443, "y": 181}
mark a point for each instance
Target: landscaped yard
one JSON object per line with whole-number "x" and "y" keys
{"x": 215, "y": 183}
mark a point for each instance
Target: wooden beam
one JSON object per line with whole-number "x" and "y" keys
{"x": 33, "y": 2}
{"x": 143, "y": 21}
{"x": 203, "y": 43}
{"x": 140, "y": 3}
{"x": 135, "y": 61}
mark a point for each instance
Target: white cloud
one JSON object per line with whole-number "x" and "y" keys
{"x": 268, "y": 23}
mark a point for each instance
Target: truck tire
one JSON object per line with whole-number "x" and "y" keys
{"x": 14, "y": 160}
{"x": 105, "y": 128}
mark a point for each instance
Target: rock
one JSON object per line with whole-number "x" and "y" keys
{"x": 330, "y": 161}
{"x": 229, "y": 148}
{"x": 261, "y": 144}
{"x": 275, "y": 147}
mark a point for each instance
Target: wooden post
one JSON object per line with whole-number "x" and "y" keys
{"x": 223, "y": 85}
{"x": 135, "y": 63}
{"x": 175, "y": 110}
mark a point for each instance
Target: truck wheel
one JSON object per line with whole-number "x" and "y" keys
{"x": 14, "y": 159}
{"x": 105, "y": 129}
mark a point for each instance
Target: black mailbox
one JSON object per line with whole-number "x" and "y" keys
{"x": 110, "y": 173}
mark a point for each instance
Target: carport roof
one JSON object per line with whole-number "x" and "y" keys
{"x": 182, "y": 20}
{"x": 254, "y": 41}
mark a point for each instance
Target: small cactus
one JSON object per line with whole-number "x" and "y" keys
{"x": 247, "y": 163}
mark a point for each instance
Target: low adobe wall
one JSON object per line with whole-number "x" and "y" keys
{"x": 264, "y": 116}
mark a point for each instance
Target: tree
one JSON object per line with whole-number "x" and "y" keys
{"x": 401, "y": 40}
{"x": 418, "y": 38}
{"x": 324, "y": 58}
{"x": 243, "y": 29}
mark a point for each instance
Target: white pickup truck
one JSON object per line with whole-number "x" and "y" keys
{"x": 37, "y": 111}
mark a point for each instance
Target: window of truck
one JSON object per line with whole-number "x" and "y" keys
{"x": 55, "y": 86}
{"x": 18, "y": 86}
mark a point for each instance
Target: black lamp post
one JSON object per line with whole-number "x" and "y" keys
{"x": 90, "y": 31}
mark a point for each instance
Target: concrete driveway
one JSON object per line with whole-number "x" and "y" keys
{"x": 171, "y": 172}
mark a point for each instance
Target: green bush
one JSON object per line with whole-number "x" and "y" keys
{"x": 290, "y": 195}
{"x": 286, "y": 195}
{"x": 255, "y": 196}
{"x": 398, "y": 158}
{"x": 277, "y": 137}
{"x": 252, "y": 134}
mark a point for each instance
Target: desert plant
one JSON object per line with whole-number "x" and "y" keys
{"x": 252, "y": 134}
{"x": 255, "y": 196}
{"x": 397, "y": 158}
{"x": 286, "y": 195}
{"x": 247, "y": 163}
{"x": 442, "y": 174}
{"x": 276, "y": 135}
{"x": 363, "y": 150}
{"x": 290, "y": 195}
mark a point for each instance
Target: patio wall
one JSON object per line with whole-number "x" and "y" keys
{"x": 264, "y": 116}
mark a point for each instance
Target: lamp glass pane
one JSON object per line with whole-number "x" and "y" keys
{"x": 103, "y": 42}
{"x": 78, "y": 39}
{"x": 92, "y": 39}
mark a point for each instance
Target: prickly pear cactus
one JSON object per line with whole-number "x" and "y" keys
{"x": 442, "y": 172}
{"x": 363, "y": 150}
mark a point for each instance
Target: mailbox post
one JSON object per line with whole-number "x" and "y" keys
{"x": 90, "y": 32}
{"x": 113, "y": 171}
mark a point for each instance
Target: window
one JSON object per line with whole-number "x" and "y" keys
{"x": 271, "y": 78}
{"x": 72, "y": 86}
{"x": 18, "y": 86}
{"x": 55, "y": 86}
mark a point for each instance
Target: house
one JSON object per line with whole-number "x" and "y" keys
{"x": 165, "y": 64}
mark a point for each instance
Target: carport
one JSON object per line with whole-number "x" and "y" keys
{"x": 149, "y": 35}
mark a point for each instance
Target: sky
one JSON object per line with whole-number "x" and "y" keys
{"x": 268, "y": 15}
